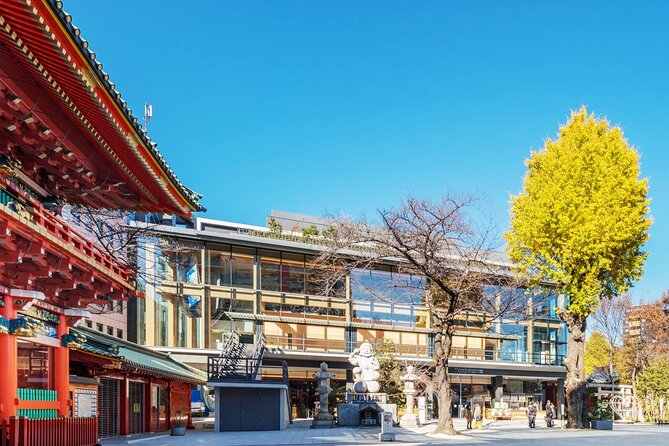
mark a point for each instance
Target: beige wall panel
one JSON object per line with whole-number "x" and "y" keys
{"x": 459, "y": 341}
{"x": 336, "y": 333}
{"x": 409, "y": 338}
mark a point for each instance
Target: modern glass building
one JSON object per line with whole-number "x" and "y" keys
{"x": 202, "y": 282}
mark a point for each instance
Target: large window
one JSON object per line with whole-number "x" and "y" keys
{"x": 270, "y": 270}
{"x": 292, "y": 272}
{"x": 242, "y": 260}
{"x": 219, "y": 265}
{"x": 322, "y": 281}
{"x": 295, "y": 273}
{"x": 186, "y": 266}
{"x": 548, "y": 343}
{"x": 545, "y": 304}
{"x": 514, "y": 349}
{"x": 385, "y": 284}
{"x": 385, "y": 295}
{"x": 231, "y": 266}
{"x": 181, "y": 326}
{"x": 282, "y": 271}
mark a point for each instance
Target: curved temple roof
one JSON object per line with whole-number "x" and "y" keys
{"x": 53, "y": 72}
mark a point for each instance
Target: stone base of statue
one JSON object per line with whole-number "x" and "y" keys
{"x": 365, "y": 409}
{"x": 323, "y": 421}
{"x": 409, "y": 420}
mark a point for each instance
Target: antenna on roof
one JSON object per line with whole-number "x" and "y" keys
{"x": 148, "y": 114}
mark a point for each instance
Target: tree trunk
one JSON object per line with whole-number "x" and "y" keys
{"x": 613, "y": 381}
{"x": 575, "y": 385}
{"x": 442, "y": 351}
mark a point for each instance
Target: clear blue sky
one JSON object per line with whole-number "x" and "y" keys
{"x": 315, "y": 106}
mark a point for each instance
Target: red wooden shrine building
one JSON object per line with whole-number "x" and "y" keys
{"x": 66, "y": 137}
{"x": 137, "y": 390}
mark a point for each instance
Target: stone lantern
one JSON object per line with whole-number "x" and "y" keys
{"x": 324, "y": 418}
{"x": 409, "y": 418}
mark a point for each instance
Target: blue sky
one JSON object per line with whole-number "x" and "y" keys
{"x": 348, "y": 106}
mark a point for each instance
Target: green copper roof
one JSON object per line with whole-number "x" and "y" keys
{"x": 133, "y": 355}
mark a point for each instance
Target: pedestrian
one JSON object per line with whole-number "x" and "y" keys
{"x": 468, "y": 416}
{"x": 478, "y": 417}
{"x": 550, "y": 413}
{"x": 532, "y": 415}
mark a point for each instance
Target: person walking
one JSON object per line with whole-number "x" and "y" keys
{"x": 532, "y": 415}
{"x": 478, "y": 417}
{"x": 550, "y": 413}
{"x": 468, "y": 416}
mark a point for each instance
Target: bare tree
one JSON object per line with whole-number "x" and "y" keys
{"x": 116, "y": 233}
{"x": 447, "y": 246}
{"x": 610, "y": 318}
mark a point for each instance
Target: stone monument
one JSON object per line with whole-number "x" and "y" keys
{"x": 387, "y": 430}
{"x": 365, "y": 405}
{"x": 324, "y": 418}
{"x": 409, "y": 379}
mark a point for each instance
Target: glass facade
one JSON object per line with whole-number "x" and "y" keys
{"x": 296, "y": 273}
{"x": 185, "y": 267}
{"x": 385, "y": 295}
{"x": 230, "y": 266}
{"x": 549, "y": 343}
{"x": 514, "y": 349}
{"x": 530, "y": 316}
{"x": 545, "y": 304}
{"x": 181, "y": 326}
{"x": 384, "y": 283}
{"x": 304, "y": 309}
{"x": 161, "y": 320}
{"x": 290, "y": 285}
{"x": 282, "y": 271}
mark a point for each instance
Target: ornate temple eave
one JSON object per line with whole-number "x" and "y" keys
{"x": 41, "y": 253}
{"x": 65, "y": 73}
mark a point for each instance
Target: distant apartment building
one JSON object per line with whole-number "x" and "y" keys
{"x": 215, "y": 277}
{"x": 637, "y": 327}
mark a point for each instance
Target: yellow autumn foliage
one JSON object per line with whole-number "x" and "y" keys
{"x": 582, "y": 219}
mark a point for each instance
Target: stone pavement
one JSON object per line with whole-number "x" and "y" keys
{"x": 494, "y": 433}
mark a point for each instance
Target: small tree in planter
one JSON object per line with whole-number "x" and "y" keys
{"x": 601, "y": 417}
{"x": 179, "y": 427}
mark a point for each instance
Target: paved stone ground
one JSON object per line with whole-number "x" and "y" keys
{"x": 495, "y": 433}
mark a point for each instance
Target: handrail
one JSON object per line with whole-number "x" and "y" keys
{"x": 258, "y": 353}
{"x": 333, "y": 345}
{"x": 479, "y": 354}
{"x": 245, "y": 371}
{"x": 230, "y": 342}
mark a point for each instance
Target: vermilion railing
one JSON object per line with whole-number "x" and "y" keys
{"x": 50, "y": 432}
{"x": 65, "y": 233}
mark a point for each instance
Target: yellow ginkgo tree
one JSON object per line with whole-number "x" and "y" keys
{"x": 580, "y": 223}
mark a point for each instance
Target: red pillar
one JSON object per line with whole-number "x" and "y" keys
{"x": 124, "y": 427}
{"x": 62, "y": 370}
{"x": 148, "y": 407}
{"x": 8, "y": 353}
{"x": 168, "y": 409}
